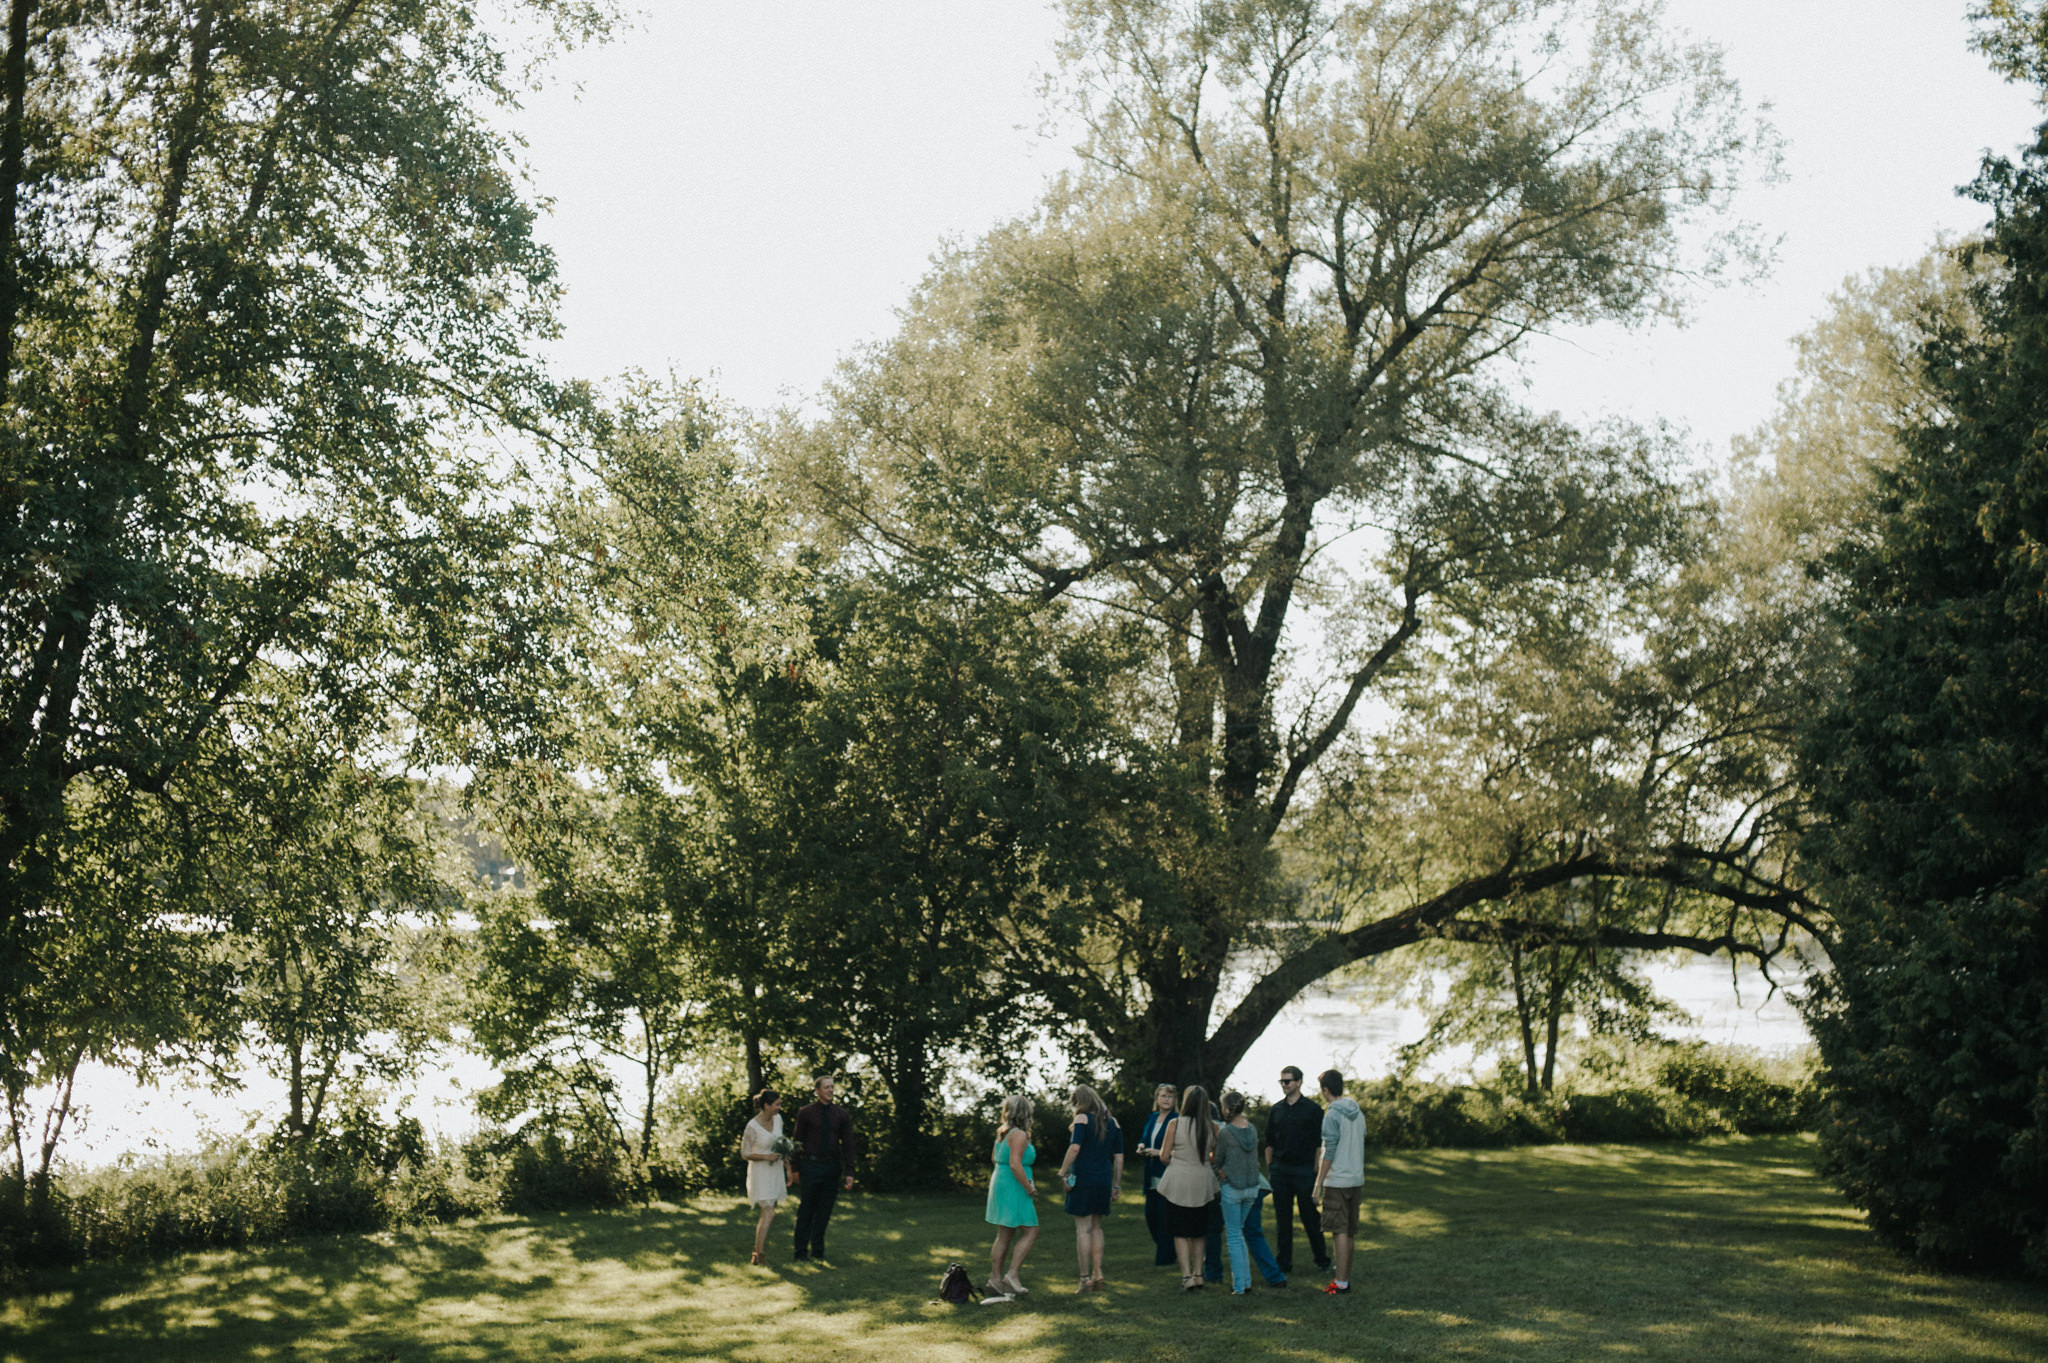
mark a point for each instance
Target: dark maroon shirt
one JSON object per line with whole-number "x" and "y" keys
{"x": 824, "y": 1131}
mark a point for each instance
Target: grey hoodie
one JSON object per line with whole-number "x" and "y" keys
{"x": 1344, "y": 1144}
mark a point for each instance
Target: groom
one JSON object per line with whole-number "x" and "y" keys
{"x": 824, "y": 1145}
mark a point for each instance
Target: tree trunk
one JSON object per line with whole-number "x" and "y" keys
{"x": 53, "y": 1132}
{"x": 914, "y": 1152}
{"x": 757, "y": 1069}
{"x": 295, "y": 1119}
{"x": 1522, "y": 1018}
{"x": 13, "y": 140}
{"x": 1560, "y": 982}
{"x": 750, "y": 1041}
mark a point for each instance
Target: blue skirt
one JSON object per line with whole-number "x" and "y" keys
{"x": 1088, "y": 1200}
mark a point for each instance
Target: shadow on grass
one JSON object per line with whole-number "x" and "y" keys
{"x": 1722, "y": 1251}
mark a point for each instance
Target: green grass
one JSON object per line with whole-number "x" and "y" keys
{"x": 1723, "y": 1250}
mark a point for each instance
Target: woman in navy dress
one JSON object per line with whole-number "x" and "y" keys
{"x": 1164, "y": 1099}
{"x": 1094, "y": 1175}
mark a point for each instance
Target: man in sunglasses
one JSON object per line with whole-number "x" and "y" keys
{"x": 1294, "y": 1140}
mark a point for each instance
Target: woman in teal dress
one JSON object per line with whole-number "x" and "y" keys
{"x": 1011, "y": 1209}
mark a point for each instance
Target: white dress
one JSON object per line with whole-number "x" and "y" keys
{"x": 765, "y": 1179}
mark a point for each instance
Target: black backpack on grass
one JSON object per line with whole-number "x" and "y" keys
{"x": 956, "y": 1287}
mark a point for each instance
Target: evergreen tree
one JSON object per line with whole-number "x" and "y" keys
{"x": 1930, "y": 775}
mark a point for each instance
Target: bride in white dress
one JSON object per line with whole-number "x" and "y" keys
{"x": 768, "y": 1173}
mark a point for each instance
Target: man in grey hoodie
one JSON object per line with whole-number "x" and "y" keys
{"x": 1340, "y": 1173}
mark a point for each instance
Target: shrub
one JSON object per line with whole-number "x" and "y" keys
{"x": 1736, "y": 1084}
{"x": 705, "y": 1121}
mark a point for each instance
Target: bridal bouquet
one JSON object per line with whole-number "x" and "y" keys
{"x": 782, "y": 1145}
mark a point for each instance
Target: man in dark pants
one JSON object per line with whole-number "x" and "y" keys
{"x": 824, "y": 1143}
{"x": 1294, "y": 1141}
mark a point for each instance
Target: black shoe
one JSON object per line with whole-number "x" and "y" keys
{"x": 800, "y": 1258}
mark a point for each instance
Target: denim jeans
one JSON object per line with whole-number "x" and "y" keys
{"x": 1255, "y": 1241}
{"x": 1238, "y": 1203}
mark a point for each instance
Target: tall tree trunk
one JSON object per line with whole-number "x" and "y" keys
{"x": 53, "y": 1133}
{"x": 750, "y": 1041}
{"x": 1181, "y": 988}
{"x": 1523, "y": 1020}
{"x": 913, "y": 1151}
{"x": 1560, "y": 982}
{"x": 13, "y": 144}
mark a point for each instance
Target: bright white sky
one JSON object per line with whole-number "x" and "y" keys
{"x": 745, "y": 192}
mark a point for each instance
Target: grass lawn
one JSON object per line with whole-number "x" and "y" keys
{"x": 1724, "y": 1250}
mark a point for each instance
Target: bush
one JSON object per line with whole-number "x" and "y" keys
{"x": 1936, "y": 1046}
{"x": 232, "y": 1192}
{"x": 1637, "y": 1115}
{"x": 1737, "y": 1084}
{"x": 551, "y": 1171}
{"x": 707, "y": 1119}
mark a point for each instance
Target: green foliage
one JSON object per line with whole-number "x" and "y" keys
{"x": 358, "y": 1176}
{"x": 550, "y": 1171}
{"x": 1671, "y": 1091}
{"x": 707, "y": 1118}
{"x": 1929, "y": 772}
{"x": 270, "y": 302}
{"x": 1744, "y": 1092}
{"x": 1239, "y": 383}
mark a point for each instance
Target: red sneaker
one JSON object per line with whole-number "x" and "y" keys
{"x": 1333, "y": 1289}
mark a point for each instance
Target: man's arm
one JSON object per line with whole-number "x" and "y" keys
{"x": 1325, "y": 1155}
{"x": 800, "y": 1130}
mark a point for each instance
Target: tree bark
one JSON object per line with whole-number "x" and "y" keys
{"x": 1522, "y": 1019}
{"x": 1220, "y": 1051}
{"x": 13, "y": 146}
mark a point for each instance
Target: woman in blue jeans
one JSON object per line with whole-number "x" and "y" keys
{"x": 1237, "y": 1166}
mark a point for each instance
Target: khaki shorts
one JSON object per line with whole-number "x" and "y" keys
{"x": 1340, "y": 1211}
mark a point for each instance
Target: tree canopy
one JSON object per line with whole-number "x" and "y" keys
{"x": 1239, "y": 379}
{"x": 1930, "y": 777}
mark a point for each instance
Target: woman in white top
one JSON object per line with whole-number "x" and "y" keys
{"x": 768, "y": 1173}
{"x": 1189, "y": 1183}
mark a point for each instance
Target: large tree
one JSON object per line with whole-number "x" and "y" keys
{"x": 1239, "y": 378}
{"x": 267, "y": 283}
{"x": 1929, "y": 770}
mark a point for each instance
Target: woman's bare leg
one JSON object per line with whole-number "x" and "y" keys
{"x": 1026, "y": 1237}
{"x": 996, "y": 1252}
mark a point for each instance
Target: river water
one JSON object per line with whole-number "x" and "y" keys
{"x": 1338, "y": 1026}
{"x": 1341, "y": 1027}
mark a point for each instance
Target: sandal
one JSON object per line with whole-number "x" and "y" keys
{"x": 1016, "y": 1288}
{"x": 1096, "y": 1283}
{"x": 992, "y": 1288}
{"x": 1087, "y": 1286}
{"x": 757, "y": 1258}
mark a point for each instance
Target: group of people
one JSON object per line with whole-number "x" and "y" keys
{"x": 1203, "y": 1185}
